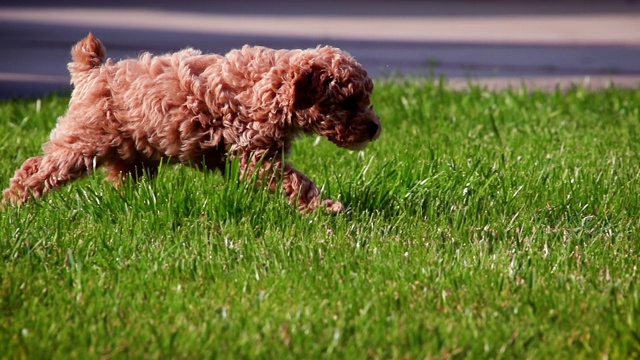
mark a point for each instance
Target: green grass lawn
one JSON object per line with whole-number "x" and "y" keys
{"x": 480, "y": 225}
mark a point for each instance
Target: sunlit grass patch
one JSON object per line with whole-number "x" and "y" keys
{"x": 481, "y": 224}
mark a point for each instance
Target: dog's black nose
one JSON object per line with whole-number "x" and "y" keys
{"x": 372, "y": 129}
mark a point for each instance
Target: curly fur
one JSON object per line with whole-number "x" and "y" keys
{"x": 199, "y": 110}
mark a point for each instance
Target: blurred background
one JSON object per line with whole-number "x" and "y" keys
{"x": 492, "y": 42}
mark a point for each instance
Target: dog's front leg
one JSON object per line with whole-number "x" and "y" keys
{"x": 301, "y": 189}
{"x": 296, "y": 185}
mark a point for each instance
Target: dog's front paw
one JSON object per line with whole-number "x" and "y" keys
{"x": 333, "y": 206}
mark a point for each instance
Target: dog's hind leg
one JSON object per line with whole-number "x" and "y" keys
{"x": 119, "y": 171}
{"x": 58, "y": 166}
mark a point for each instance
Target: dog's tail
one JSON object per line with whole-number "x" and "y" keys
{"x": 87, "y": 54}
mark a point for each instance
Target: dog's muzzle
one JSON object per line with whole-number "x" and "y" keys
{"x": 373, "y": 130}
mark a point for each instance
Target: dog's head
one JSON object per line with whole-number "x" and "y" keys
{"x": 331, "y": 97}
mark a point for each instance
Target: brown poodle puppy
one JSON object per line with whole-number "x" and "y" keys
{"x": 201, "y": 110}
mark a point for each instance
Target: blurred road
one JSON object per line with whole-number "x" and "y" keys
{"x": 495, "y": 42}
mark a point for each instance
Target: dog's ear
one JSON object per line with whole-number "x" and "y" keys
{"x": 309, "y": 86}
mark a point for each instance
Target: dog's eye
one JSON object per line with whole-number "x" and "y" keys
{"x": 350, "y": 103}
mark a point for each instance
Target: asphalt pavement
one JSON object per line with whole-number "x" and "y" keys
{"x": 496, "y": 43}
